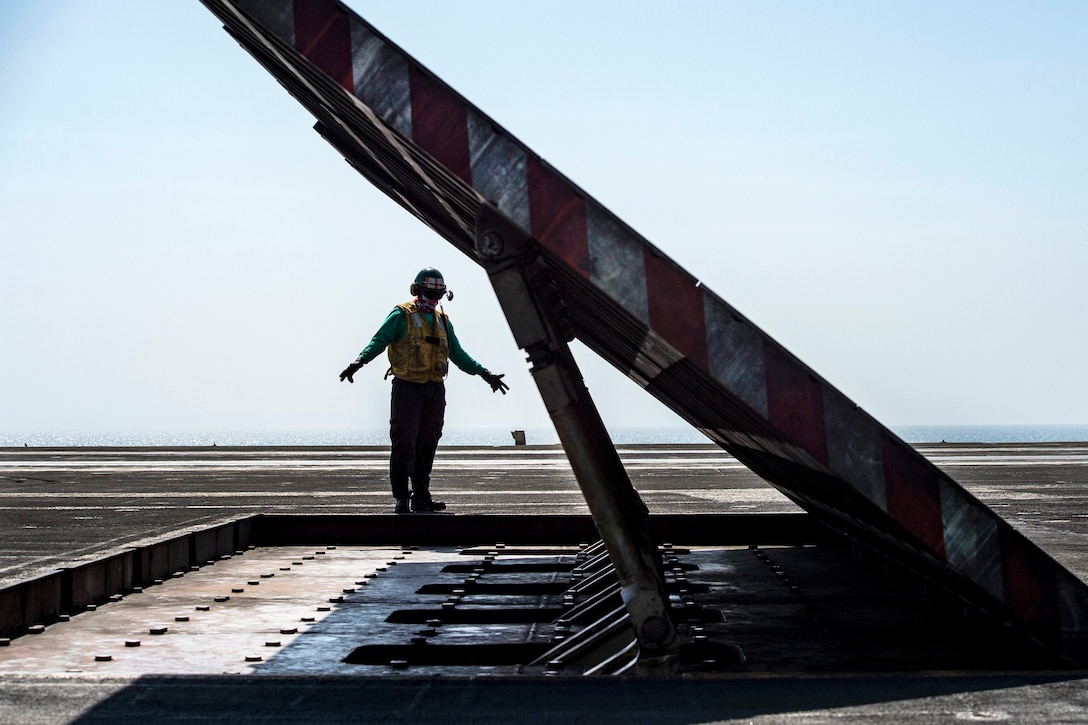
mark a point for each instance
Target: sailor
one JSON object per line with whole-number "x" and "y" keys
{"x": 421, "y": 342}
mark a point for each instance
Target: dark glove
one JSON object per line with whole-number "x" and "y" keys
{"x": 495, "y": 381}
{"x": 351, "y": 370}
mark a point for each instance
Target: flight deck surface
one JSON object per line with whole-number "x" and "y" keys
{"x": 823, "y": 631}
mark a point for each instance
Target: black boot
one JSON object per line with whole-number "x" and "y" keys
{"x": 426, "y": 505}
{"x": 402, "y": 506}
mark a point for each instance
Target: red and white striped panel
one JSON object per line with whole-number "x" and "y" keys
{"x": 816, "y": 426}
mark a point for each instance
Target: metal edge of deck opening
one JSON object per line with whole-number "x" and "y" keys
{"x": 71, "y": 589}
{"x": 440, "y": 157}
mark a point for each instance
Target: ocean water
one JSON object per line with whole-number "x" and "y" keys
{"x": 495, "y": 437}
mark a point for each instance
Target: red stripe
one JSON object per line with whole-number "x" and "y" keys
{"x": 557, "y": 216}
{"x": 440, "y": 124}
{"x": 1030, "y": 588}
{"x": 795, "y": 402}
{"x": 676, "y": 307}
{"x": 914, "y": 495}
{"x": 323, "y": 35}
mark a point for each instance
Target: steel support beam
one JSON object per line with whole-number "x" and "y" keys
{"x": 534, "y": 312}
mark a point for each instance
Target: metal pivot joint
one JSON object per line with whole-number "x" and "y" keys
{"x": 535, "y": 313}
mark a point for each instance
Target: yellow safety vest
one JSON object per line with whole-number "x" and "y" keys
{"x": 424, "y": 353}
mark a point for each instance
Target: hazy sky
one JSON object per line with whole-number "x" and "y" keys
{"x": 898, "y": 193}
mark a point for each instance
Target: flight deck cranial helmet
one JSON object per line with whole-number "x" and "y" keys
{"x": 429, "y": 284}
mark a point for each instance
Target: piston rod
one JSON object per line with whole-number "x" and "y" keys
{"x": 533, "y": 309}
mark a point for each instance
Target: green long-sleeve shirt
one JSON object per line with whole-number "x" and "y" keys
{"x": 395, "y": 328}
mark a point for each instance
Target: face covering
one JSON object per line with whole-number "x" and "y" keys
{"x": 425, "y": 304}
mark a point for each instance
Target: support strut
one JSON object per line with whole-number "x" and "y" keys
{"x": 533, "y": 309}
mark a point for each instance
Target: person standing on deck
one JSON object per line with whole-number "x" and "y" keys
{"x": 421, "y": 343}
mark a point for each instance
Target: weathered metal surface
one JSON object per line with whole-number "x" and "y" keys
{"x": 78, "y": 587}
{"x": 75, "y": 588}
{"x": 441, "y": 158}
{"x": 384, "y": 611}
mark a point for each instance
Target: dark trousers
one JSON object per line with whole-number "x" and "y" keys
{"x": 416, "y": 414}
